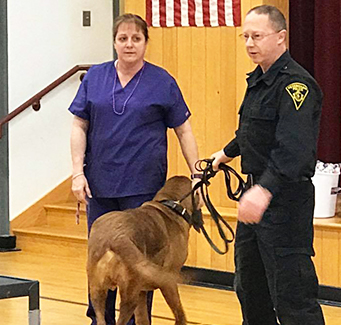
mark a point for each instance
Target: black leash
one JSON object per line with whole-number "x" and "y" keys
{"x": 208, "y": 172}
{"x": 196, "y": 218}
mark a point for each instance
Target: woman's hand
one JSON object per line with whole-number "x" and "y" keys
{"x": 80, "y": 188}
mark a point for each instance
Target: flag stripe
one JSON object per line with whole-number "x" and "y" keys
{"x": 149, "y": 12}
{"x": 213, "y": 13}
{"x": 184, "y": 13}
{"x": 177, "y": 12}
{"x": 162, "y": 9}
{"x": 228, "y": 13}
{"x": 221, "y": 13}
{"x": 170, "y": 13}
{"x": 208, "y": 13}
{"x": 191, "y": 12}
{"x": 237, "y": 20}
{"x": 156, "y": 13}
{"x": 198, "y": 13}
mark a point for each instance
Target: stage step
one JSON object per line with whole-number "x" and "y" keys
{"x": 58, "y": 235}
{"x": 53, "y": 241}
{"x": 63, "y": 215}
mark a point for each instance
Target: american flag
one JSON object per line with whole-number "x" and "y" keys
{"x": 208, "y": 13}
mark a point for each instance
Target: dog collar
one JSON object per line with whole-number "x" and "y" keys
{"x": 178, "y": 208}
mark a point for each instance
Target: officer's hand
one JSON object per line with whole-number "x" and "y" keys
{"x": 81, "y": 189}
{"x": 253, "y": 204}
{"x": 219, "y": 157}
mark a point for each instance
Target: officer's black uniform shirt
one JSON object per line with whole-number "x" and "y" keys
{"x": 278, "y": 124}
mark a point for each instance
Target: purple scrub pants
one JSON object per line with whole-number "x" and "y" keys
{"x": 96, "y": 208}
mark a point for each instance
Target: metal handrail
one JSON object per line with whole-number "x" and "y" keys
{"x": 35, "y": 100}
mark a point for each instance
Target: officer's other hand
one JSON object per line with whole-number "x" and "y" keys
{"x": 81, "y": 189}
{"x": 219, "y": 157}
{"x": 253, "y": 204}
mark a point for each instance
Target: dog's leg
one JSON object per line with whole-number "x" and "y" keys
{"x": 172, "y": 297}
{"x": 141, "y": 311}
{"x": 99, "y": 283}
{"x": 129, "y": 300}
{"x": 98, "y": 297}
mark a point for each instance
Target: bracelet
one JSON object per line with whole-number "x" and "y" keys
{"x": 76, "y": 175}
{"x": 196, "y": 176}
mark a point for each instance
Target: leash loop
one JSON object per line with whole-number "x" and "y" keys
{"x": 208, "y": 173}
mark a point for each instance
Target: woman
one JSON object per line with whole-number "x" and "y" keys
{"x": 119, "y": 134}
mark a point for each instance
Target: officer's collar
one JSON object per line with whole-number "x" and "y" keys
{"x": 269, "y": 76}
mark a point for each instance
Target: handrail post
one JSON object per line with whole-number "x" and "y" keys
{"x": 4, "y": 209}
{"x": 7, "y": 242}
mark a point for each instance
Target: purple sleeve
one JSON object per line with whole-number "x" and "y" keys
{"x": 80, "y": 105}
{"x": 178, "y": 111}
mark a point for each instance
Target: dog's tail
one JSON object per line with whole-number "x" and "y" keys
{"x": 154, "y": 275}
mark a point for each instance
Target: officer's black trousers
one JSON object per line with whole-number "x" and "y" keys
{"x": 275, "y": 279}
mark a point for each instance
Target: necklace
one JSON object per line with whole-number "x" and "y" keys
{"x": 130, "y": 95}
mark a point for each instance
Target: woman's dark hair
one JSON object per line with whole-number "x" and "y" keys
{"x": 131, "y": 18}
{"x": 276, "y": 17}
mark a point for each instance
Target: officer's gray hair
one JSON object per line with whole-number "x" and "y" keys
{"x": 276, "y": 17}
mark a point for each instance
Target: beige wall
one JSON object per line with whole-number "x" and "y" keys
{"x": 45, "y": 40}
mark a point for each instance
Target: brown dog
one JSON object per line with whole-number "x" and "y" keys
{"x": 138, "y": 250}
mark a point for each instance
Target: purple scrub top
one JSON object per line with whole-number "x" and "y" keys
{"x": 126, "y": 154}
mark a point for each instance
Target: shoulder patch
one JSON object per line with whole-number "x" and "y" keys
{"x": 298, "y": 93}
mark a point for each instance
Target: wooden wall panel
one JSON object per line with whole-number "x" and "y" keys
{"x": 218, "y": 262}
{"x": 197, "y": 59}
{"x": 154, "y": 50}
{"x": 184, "y": 46}
{"x": 230, "y": 255}
{"x": 327, "y": 245}
{"x": 228, "y": 120}
{"x": 330, "y": 252}
{"x": 213, "y": 106}
{"x": 170, "y": 63}
{"x": 204, "y": 251}
{"x": 192, "y": 249}
{"x": 210, "y": 66}
{"x": 339, "y": 261}
{"x": 282, "y": 5}
{"x": 254, "y": 3}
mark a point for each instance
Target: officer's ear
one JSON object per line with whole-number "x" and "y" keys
{"x": 282, "y": 36}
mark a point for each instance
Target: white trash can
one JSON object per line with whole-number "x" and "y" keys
{"x": 326, "y": 189}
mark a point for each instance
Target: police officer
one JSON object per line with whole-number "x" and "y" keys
{"x": 276, "y": 138}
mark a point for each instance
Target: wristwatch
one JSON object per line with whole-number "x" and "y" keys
{"x": 196, "y": 176}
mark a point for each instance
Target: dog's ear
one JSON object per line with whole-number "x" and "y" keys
{"x": 174, "y": 189}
